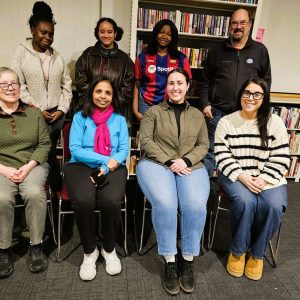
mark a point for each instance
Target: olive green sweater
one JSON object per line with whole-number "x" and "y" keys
{"x": 23, "y": 137}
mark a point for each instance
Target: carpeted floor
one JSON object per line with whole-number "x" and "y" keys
{"x": 141, "y": 275}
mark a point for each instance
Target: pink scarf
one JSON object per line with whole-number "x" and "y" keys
{"x": 102, "y": 143}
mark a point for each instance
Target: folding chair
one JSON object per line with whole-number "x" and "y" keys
{"x": 145, "y": 209}
{"x": 223, "y": 204}
{"x": 20, "y": 204}
{"x": 64, "y": 196}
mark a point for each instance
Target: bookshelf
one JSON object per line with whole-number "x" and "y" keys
{"x": 287, "y": 106}
{"x": 201, "y": 24}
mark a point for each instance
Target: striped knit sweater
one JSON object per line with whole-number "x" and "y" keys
{"x": 238, "y": 149}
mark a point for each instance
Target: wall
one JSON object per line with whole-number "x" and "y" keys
{"x": 282, "y": 23}
{"x": 120, "y": 11}
{"x": 75, "y": 20}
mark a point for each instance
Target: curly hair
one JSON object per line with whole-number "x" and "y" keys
{"x": 41, "y": 12}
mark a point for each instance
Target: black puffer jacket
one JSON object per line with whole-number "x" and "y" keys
{"x": 225, "y": 71}
{"x": 113, "y": 63}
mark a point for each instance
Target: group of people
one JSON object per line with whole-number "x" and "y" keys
{"x": 179, "y": 143}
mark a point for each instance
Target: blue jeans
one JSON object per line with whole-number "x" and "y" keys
{"x": 254, "y": 217}
{"x": 143, "y": 106}
{"x": 209, "y": 159}
{"x": 166, "y": 191}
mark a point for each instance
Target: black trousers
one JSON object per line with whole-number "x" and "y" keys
{"x": 86, "y": 198}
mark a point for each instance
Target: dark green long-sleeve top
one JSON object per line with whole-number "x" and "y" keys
{"x": 23, "y": 137}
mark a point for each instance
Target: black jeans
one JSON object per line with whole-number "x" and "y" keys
{"x": 86, "y": 198}
{"x": 54, "y": 177}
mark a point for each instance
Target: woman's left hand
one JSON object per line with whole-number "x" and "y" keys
{"x": 112, "y": 164}
{"x": 56, "y": 116}
{"x": 179, "y": 167}
{"x": 23, "y": 172}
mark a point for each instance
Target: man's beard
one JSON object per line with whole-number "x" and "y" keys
{"x": 237, "y": 38}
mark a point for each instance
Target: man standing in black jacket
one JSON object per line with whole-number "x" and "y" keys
{"x": 226, "y": 69}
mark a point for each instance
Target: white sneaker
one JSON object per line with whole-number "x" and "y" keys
{"x": 88, "y": 267}
{"x": 113, "y": 263}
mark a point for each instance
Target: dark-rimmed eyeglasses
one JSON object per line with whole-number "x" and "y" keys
{"x": 241, "y": 23}
{"x": 256, "y": 95}
{"x": 5, "y": 86}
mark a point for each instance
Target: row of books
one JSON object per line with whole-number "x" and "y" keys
{"x": 294, "y": 142}
{"x": 243, "y": 1}
{"x": 289, "y": 115}
{"x": 204, "y": 24}
{"x": 185, "y": 22}
{"x": 294, "y": 168}
{"x": 195, "y": 56}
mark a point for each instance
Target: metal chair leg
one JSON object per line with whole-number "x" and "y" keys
{"x": 212, "y": 234}
{"x": 59, "y": 230}
{"x": 143, "y": 227}
{"x": 50, "y": 213}
{"x": 125, "y": 227}
{"x": 273, "y": 252}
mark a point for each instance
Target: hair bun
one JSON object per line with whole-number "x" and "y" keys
{"x": 42, "y": 9}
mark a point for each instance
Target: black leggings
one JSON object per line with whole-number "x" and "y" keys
{"x": 86, "y": 199}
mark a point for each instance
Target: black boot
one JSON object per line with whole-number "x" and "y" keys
{"x": 171, "y": 280}
{"x": 186, "y": 276}
{"x": 37, "y": 261}
{"x": 6, "y": 263}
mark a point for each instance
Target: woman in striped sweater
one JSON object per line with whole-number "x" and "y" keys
{"x": 252, "y": 154}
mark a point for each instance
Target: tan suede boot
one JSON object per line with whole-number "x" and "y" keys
{"x": 254, "y": 268}
{"x": 236, "y": 265}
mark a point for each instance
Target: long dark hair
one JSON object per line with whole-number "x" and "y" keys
{"x": 172, "y": 48}
{"x": 263, "y": 113}
{"x": 41, "y": 12}
{"x": 88, "y": 106}
{"x": 117, "y": 28}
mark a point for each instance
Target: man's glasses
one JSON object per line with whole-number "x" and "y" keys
{"x": 5, "y": 86}
{"x": 241, "y": 23}
{"x": 256, "y": 95}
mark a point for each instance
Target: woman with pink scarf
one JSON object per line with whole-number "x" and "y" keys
{"x": 99, "y": 146}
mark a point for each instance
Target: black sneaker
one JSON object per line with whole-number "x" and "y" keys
{"x": 6, "y": 263}
{"x": 186, "y": 275}
{"x": 37, "y": 260}
{"x": 171, "y": 280}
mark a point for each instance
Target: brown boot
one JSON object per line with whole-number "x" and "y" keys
{"x": 254, "y": 268}
{"x": 236, "y": 265}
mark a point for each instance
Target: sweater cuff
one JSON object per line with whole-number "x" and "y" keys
{"x": 187, "y": 161}
{"x": 168, "y": 163}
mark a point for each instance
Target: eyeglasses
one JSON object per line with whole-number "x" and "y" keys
{"x": 256, "y": 95}
{"x": 5, "y": 86}
{"x": 241, "y": 23}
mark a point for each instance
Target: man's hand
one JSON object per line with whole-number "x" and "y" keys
{"x": 207, "y": 112}
{"x": 138, "y": 115}
{"x": 8, "y": 172}
{"x": 56, "y": 116}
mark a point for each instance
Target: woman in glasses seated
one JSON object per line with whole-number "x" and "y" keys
{"x": 173, "y": 178}
{"x": 252, "y": 154}
{"x": 24, "y": 148}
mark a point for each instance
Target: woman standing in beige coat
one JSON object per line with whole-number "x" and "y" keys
{"x": 45, "y": 80}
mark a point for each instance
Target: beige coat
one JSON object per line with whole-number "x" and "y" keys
{"x": 26, "y": 63}
{"x": 159, "y": 135}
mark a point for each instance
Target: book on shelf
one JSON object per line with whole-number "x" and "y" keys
{"x": 294, "y": 141}
{"x": 289, "y": 115}
{"x": 294, "y": 168}
{"x": 185, "y": 22}
{"x": 195, "y": 56}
